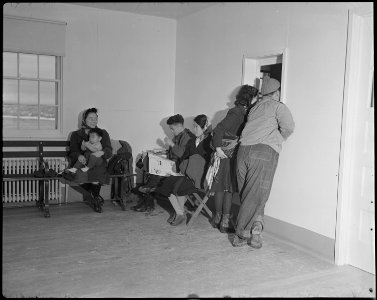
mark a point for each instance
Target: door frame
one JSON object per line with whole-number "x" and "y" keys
{"x": 265, "y": 56}
{"x": 353, "y": 56}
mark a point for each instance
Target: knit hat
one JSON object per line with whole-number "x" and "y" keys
{"x": 269, "y": 85}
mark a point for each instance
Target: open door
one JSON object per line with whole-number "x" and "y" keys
{"x": 355, "y": 230}
{"x": 272, "y": 64}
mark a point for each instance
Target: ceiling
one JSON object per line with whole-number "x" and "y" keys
{"x": 171, "y": 10}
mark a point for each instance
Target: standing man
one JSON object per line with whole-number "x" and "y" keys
{"x": 269, "y": 123}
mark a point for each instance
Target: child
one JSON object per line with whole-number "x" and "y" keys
{"x": 92, "y": 146}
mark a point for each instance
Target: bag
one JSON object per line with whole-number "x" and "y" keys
{"x": 44, "y": 170}
{"x": 118, "y": 164}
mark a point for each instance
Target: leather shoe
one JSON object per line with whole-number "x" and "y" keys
{"x": 141, "y": 208}
{"x": 138, "y": 205}
{"x": 224, "y": 229}
{"x": 179, "y": 219}
{"x": 171, "y": 218}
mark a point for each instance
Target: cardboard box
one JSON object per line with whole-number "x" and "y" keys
{"x": 159, "y": 165}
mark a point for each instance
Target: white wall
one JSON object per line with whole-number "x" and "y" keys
{"x": 121, "y": 63}
{"x": 130, "y": 66}
{"x": 210, "y": 47}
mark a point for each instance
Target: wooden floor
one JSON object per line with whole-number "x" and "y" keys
{"x": 80, "y": 254}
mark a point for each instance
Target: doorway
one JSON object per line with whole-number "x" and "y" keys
{"x": 273, "y": 64}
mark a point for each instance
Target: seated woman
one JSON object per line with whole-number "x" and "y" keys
{"x": 195, "y": 161}
{"x": 94, "y": 177}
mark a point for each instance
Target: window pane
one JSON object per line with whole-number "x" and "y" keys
{"x": 28, "y": 117}
{"x": 28, "y": 65}
{"x": 10, "y": 91}
{"x": 10, "y": 116}
{"x": 47, "y": 67}
{"x": 48, "y": 119}
{"x": 9, "y": 64}
{"x": 47, "y": 93}
{"x": 28, "y": 92}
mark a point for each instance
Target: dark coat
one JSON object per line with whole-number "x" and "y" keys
{"x": 97, "y": 173}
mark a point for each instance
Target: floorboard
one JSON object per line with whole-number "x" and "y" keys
{"x": 79, "y": 253}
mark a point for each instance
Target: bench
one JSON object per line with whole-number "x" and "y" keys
{"x": 49, "y": 149}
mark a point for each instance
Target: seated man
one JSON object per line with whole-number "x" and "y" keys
{"x": 193, "y": 170}
{"x": 176, "y": 149}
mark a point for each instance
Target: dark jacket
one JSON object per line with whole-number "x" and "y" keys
{"x": 230, "y": 126}
{"x": 180, "y": 141}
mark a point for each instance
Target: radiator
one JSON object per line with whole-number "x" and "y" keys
{"x": 27, "y": 190}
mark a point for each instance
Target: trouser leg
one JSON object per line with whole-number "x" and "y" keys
{"x": 256, "y": 166}
{"x": 266, "y": 187}
{"x": 176, "y": 203}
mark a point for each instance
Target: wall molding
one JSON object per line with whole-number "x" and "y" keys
{"x": 307, "y": 240}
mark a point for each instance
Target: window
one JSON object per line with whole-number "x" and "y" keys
{"x": 31, "y": 92}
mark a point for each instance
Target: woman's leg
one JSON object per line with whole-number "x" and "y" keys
{"x": 227, "y": 205}
{"x": 219, "y": 196}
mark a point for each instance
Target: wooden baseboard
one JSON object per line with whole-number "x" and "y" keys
{"x": 317, "y": 244}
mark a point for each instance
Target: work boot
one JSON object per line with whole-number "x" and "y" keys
{"x": 256, "y": 238}
{"x": 224, "y": 225}
{"x": 149, "y": 203}
{"x": 239, "y": 242}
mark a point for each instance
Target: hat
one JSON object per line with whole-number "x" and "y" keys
{"x": 269, "y": 85}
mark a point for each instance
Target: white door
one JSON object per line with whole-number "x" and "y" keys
{"x": 362, "y": 231}
{"x": 356, "y": 229}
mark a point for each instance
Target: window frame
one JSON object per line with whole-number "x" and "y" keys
{"x": 9, "y": 133}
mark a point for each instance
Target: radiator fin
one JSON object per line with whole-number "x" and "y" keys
{"x": 27, "y": 190}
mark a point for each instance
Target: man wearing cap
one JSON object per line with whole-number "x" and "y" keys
{"x": 269, "y": 123}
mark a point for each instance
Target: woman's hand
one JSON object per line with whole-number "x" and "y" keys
{"x": 220, "y": 153}
{"x": 98, "y": 153}
{"x": 82, "y": 159}
{"x": 83, "y": 146}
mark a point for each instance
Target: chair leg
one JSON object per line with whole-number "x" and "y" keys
{"x": 199, "y": 209}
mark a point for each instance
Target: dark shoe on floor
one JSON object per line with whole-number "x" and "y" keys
{"x": 97, "y": 204}
{"x": 239, "y": 242}
{"x": 256, "y": 241}
{"x": 139, "y": 204}
{"x": 226, "y": 229}
{"x": 141, "y": 208}
{"x": 179, "y": 219}
{"x": 171, "y": 218}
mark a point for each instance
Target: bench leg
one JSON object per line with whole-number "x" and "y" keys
{"x": 46, "y": 202}
{"x": 40, "y": 200}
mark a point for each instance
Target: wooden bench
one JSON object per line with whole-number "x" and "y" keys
{"x": 42, "y": 150}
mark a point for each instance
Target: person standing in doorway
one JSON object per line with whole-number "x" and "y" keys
{"x": 225, "y": 182}
{"x": 269, "y": 123}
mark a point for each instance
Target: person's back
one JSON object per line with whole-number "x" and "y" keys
{"x": 269, "y": 122}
